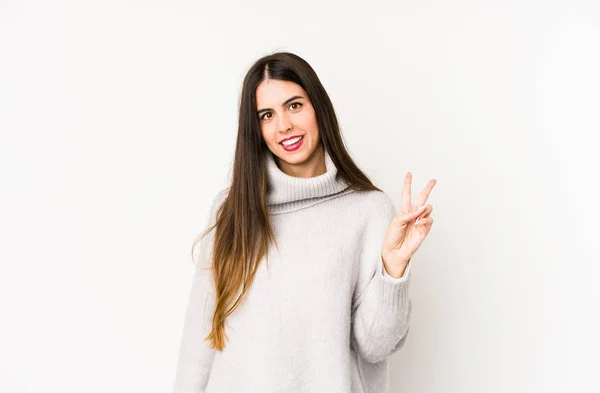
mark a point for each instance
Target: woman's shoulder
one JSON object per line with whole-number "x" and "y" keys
{"x": 219, "y": 197}
{"x": 377, "y": 203}
{"x": 217, "y": 200}
{"x": 373, "y": 208}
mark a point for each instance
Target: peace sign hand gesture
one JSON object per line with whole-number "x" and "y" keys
{"x": 407, "y": 230}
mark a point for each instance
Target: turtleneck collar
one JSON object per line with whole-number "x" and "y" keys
{"x": 288, "y": 193}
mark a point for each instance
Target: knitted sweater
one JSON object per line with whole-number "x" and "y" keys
{"x": 323, "y": 316}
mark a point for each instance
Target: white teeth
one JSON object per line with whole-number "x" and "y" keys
{"x": 291, "y": 141}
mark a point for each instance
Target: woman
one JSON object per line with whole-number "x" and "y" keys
{"x": 330, "y": 301}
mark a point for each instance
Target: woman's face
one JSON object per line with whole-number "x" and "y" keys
{"x": 284, "y": 111}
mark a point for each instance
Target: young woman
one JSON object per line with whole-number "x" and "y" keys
{"x": 302, "y": 279}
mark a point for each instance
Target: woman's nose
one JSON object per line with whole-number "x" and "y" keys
{"x": 284, "y": 123}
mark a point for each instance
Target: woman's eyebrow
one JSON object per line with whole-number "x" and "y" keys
{"x": 284, "y": 103}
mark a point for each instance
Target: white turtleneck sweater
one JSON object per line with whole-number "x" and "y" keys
{"x": 323, "y": 316}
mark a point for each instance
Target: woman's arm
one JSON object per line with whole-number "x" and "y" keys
{"x": 381, "y": 310}
{"x": 195, "y": 354}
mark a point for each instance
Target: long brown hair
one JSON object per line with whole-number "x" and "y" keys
{"x": 243, "y": 230}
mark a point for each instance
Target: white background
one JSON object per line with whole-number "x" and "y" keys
{"x": 118, "y": 123}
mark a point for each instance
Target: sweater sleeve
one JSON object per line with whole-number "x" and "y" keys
{"x": 381, "y": 309}
{"x": 195, "y": 354}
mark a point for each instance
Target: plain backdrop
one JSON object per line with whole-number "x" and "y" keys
{"x": 118, "y": 123}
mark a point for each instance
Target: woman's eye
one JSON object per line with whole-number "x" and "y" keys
{"x": 293, "y": 106}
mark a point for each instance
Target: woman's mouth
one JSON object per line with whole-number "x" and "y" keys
{"x": 292, "y": 144}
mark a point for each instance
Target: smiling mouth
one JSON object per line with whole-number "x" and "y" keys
{"x": 293, "y": 146}
{"x": 292, "y": 138}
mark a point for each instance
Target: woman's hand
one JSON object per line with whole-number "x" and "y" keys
{"x": 407, "y": 229}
